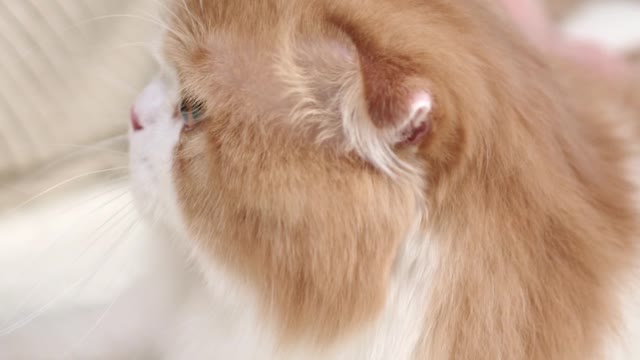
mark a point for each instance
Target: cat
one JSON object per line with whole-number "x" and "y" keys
{"x": 389, "y": 179}
{"x": 379, "y": 179}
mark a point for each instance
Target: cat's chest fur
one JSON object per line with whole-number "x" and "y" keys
{"x": 222, "y": 318}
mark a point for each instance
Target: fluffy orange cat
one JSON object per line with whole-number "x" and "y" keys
{"x": 392, "y": 180}
{"x": 384, "y": 179}
{"x": 399, "y": 179}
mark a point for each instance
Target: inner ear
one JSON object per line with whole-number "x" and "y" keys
{"x": 417, "y": 124}
{"x": 397, "y": 99}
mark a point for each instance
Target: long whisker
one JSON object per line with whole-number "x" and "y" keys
{"x": 41, "y": 310}
{"x": 39, "y": 284}
{"x": 126, "y": 229}
{"x": 38, "y": 256}
{"x": 76, "y": 154}
{"x": 166, "y": 8}
{"x": 32, "y": 199}
{"x": 124, "y": 191}
{"x": 192, "y": 18}
{"x": 106, "y": 311}
{"x": 125, "y": 45}
{"x": 101, "y": 230}
{"x": 93, "y": 148}
{"x": 100, "y": 319}
{"x": 97, "y": 145}
{"x": 95, "y": 326}
{"x": 93, "y": 19}
{"x": 180, "y": 36}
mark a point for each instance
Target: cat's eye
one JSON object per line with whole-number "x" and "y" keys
{"x": 191, "y": 111}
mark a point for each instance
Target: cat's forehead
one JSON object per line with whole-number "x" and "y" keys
{"x": 218, "y": 47}
{"x": 219, "y": 60}
{"x": 255, "y": 55}
{"x": 254, "y": 22}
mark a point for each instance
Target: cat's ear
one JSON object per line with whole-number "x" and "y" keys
{"x": 396, "y": 96}
{"x": 376, "y": 94}
{"x": 397, "y": 102}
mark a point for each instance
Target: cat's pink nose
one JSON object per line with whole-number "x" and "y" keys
{"x": 135, "y": 120}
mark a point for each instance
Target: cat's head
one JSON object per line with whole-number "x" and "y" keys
{"x": 294, "y": 142}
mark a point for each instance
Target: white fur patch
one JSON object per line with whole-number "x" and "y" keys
{"x": 152, "y": 151}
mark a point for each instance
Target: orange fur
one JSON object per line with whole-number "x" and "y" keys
{"x": 521, "y": 176}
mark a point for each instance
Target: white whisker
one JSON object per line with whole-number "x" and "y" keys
{"x": 44, "y": 308}
{"x": 39, "y": 284}
{"x": 118, "y": 238}
{"x": 32, "y": 199}
{"x": 124, "y": 188}
{"x": 100, "y": 319}
{"x": 38, "y": 256}
{"x": 192, "y": 18}
{"x": 94, "y": 327}
{"x": 75, "y": 154}
{"x": 93, "y": 148}
{"x": 166, "y": 8}
{"x": 101, "y": 230}
{"x": 132, "y": 44}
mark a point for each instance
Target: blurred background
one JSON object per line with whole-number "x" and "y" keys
{"x": 69, "y": 71}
